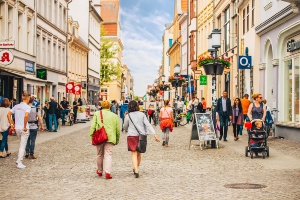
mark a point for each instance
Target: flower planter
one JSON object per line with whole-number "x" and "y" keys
{"x": 179, "y": 83}
{"x": 209, "y": 68}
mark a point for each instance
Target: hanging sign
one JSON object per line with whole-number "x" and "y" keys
{"x": 7, "y": 44}
{"x": 203, "y": 80}
{"x": 293, "y": 45}
{"x": 77, "y": 89}
{"x": 29, "y": 66}
{"x": 41, "y": 74}
{"x": 70, "y": 87}
{"x": 245, "y": 62}
{"x": 6, "y": 57}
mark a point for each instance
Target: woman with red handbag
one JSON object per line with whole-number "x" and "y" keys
{"x": 4, "y": 126}
{"x": 166, "y": 122}
{"x": 105, "y": 122}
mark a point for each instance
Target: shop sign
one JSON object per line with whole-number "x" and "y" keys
{"x": 41, "y": 74}
{"x": 7, "y": 44}
{"x": 203, "y": 80}
{"x": 29, "y": 66}
{"x": 77, "y": 89}
{"x": 245, "y": 62}
{"x": 70, "y": 87}
{"x": 6, "y": 57}
{"x": 293, "y": 45}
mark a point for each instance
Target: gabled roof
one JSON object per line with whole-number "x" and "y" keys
{"x": 110, "y": 10}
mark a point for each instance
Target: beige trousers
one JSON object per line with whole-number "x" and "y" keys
{"x": 104, "y": 157}
{"x": 23, "y": 137}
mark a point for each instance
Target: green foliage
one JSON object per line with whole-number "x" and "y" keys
{"x": 136, "y": 98}
{"x": 109, "y": 69}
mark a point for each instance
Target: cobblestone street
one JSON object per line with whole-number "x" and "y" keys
{"x": 65, "y": 169}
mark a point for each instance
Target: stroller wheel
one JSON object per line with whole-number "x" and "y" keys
{"x": 268, "y": 151}
{"x": 264, "y": 154}
{"x": 246, "y": 151}
{"x": 251, "y": 155}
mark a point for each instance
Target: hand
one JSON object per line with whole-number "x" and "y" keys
{"x": 156, "y": 138}
{"x": 25, "y": 129}
{"x": 41, "y": 128}
{"x": 263, "y": 119}
{"x": 217, "y": 118}
{"x": 230, "y": 117}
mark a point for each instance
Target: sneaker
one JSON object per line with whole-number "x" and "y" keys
{"x": 21, "y": 166}
{"x": 26, "y": 155}
{"x": 32, "y": 157}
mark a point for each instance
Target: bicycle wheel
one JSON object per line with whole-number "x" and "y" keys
{"x": 70, "y": 121}
{"x": 183, "y": 120}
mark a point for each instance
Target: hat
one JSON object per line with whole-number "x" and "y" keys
{"x": 33, "y": 95}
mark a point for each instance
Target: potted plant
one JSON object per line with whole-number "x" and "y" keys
{"x": 153, "y": 91}
{"x": 209, "y": 64}
{"x": 177, "y": 79}
{"x": 163, "y": 87}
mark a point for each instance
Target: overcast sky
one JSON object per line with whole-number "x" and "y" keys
{"x": 142, "y": 23}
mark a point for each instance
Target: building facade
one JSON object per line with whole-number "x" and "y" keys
{"x": 279, "y": 63}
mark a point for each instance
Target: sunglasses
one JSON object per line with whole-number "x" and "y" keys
{"x": 260, "y": 97}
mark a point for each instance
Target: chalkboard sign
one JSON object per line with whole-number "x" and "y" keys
{"x": 203, "y": 128}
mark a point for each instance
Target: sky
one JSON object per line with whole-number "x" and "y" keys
{"x": 143, "y": 23}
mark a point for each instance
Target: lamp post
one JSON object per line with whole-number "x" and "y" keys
{"x": 214, "y": 43}
{"x": 176, "y": 73}
{"x": 163, "y": 77}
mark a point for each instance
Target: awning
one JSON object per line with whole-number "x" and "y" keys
{"x": 23, "y": 75}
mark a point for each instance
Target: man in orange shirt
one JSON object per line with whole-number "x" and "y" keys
{"x": 204, "y": 104}
{"x": 245, "y": 105}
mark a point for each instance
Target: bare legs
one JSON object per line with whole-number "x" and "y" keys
{"x": 136, "y": 160}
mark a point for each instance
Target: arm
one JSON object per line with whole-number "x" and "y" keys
{"x": 41, "y": 121}
{"x": 250, "y": 112}
{"x": 94, "y": 124}
{"x": 150, "y": 128}
{"x": 118, "y": 129}
{"x": 230, "y": 110}
{"x": 160, "y": 114}
{"x": 265, "y": 113}
{"x": 60, "y": 105}
{"x": 25, "y": 121}
{"x": 126, "y": 123}
{"x": 12, "y": 125}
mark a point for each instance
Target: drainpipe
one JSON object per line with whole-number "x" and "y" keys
{"x": 187, "y": 52}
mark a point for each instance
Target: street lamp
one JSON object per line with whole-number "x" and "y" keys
{"x": 163, "y": 79}
{"x": 176, "y": 73}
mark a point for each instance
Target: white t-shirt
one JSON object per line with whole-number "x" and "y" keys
{"x": 180, "y": 104}
{"x": 19, "y": 110}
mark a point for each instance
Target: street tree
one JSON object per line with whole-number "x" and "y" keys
{"x": 110, "y": 68}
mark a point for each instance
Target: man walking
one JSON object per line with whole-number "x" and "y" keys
{"x": 33, "y": 119}
{"x": 245, "y": 105}
{"x": 64, "y": 104}
{"x": 75, "y": 109}
{"x": 224, "y": 111}
{"x": 21, "y": 112}
{"x": 52, "y": 114}
{"x": 203, "y": 104}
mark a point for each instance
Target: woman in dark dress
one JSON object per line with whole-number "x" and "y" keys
{"x": 46, "y": 114}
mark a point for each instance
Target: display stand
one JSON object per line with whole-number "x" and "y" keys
{"x": 203, "y": 130}
{"x": 82, "y": 114}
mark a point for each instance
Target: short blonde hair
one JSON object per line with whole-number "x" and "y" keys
{"x": 254, "y": 96}
{"x": 105, "y": 104}
{"x": 258, "y": 124}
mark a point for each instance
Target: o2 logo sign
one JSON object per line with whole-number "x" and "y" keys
{"x": 245, "y": 62}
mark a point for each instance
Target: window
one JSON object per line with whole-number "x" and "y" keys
{"x": 10, "y": 23}
{"x": 29, "y": 35}
{"x": 45, "y": 9}
{"x": 55, "y": 12}
{"x": 219, "y": 22}
{"x": 49, "y": 54}
{"x": 38, "y": 48}
{"x": 2, "y": 13}
{"x": 44, "y": 51}
{"x": 60, "y": 20}
{"x": 244, "y": 21}
{"x": 50, "y": 10}
{"x": 227, "y": 29}
{"x": 54, "y": 54}
{"x": 64, "y": 19}
{"x": 63, "y": 60}
{"x": 20, "y": 30}
{"x": 59, "y": 57}
{"x": 292, "y": 90}
{"x": 39, "y": 7}
{"x": 253, "y": 7}
{"x": 247, "y": 18}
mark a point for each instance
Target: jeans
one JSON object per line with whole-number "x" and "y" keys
{"x": 52, "y": 120}
{"x": 75, "y": 115}
{"x": 236, "y": 128}
{"x": 31, "y": 141}
{"x": 63, "y": 114}
{"x": 47, "y": 120}
{"x": 223, "y": 125}
{"x": 166, "y": 133}
{"x": 3, "y": 144}
{"x": 23, "y": 136}
{"x": 241, "y": 127}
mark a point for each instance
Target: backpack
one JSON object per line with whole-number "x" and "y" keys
{"x": 32, "y": 118}
{"x": 200, "y": 107}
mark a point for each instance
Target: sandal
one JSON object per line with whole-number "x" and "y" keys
{"x": 8, "y": 154}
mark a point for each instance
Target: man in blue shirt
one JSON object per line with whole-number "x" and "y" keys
{"x": 35, "y": 102}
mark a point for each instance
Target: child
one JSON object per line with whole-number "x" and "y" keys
{"x": 258, "y": 128}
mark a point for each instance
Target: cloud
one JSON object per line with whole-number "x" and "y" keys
{"x": 142, "y": 29}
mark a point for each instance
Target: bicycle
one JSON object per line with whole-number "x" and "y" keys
{"x": 69, "y": 118}
{"x": 156, "y": 117}
{"x": 180, "y": 117}
{"x": 273, "y": 113}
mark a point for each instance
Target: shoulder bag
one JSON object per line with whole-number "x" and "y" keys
{"x": 142, "y": 145}
{"x": 99, "y": 135}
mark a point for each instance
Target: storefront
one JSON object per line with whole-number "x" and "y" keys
{"x": 281, "y": 72}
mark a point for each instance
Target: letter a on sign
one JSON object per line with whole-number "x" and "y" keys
{"x": 6, "y": 57}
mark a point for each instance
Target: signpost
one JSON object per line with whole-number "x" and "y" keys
{"x": 203, "y": 80}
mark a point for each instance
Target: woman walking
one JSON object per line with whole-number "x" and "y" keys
{"x": 4, "y": 126}
{"x": 166, "y": 123}
{"x": 46, "y": 114}
{"x": 112, "y": 127}
{"x": 135, "y": 124}
{"x": 257, "y": 110}
{"x": 237, "y": 118}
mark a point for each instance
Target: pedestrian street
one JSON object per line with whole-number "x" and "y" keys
{"x": 66, "y": 163}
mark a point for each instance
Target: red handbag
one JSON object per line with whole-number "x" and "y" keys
{"x": 10, "y": 131}
{"x": 100, "y": 135}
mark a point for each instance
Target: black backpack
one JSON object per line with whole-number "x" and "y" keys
{"x": 200, "y": 107}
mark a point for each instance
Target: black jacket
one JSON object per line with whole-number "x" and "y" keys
{"x": 52, "y": 107}
{"x": 219, "y": 107}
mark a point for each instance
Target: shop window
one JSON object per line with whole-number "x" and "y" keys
{"x": 289, "y": 91}
{"x": 296, "y": 90}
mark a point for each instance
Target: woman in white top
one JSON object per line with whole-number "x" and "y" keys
{"x": 136, "y": 123}
{"x": 166, "y": 122}
{"x": 4, "y": 126}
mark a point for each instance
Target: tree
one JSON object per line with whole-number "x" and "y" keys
{"x": 109, "y": 69}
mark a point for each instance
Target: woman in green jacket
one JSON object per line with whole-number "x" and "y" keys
{"x": 112, "y": 127}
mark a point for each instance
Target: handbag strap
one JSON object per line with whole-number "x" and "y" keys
{"x": 167, "y": 113}
{"x": 134, "y": 124}
{"x": 101, "y": 116}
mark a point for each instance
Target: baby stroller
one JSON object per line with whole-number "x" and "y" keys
{"x": 257, "y": 139}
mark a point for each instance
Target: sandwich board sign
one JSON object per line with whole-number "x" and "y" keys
{"x": 203, "y": 129}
